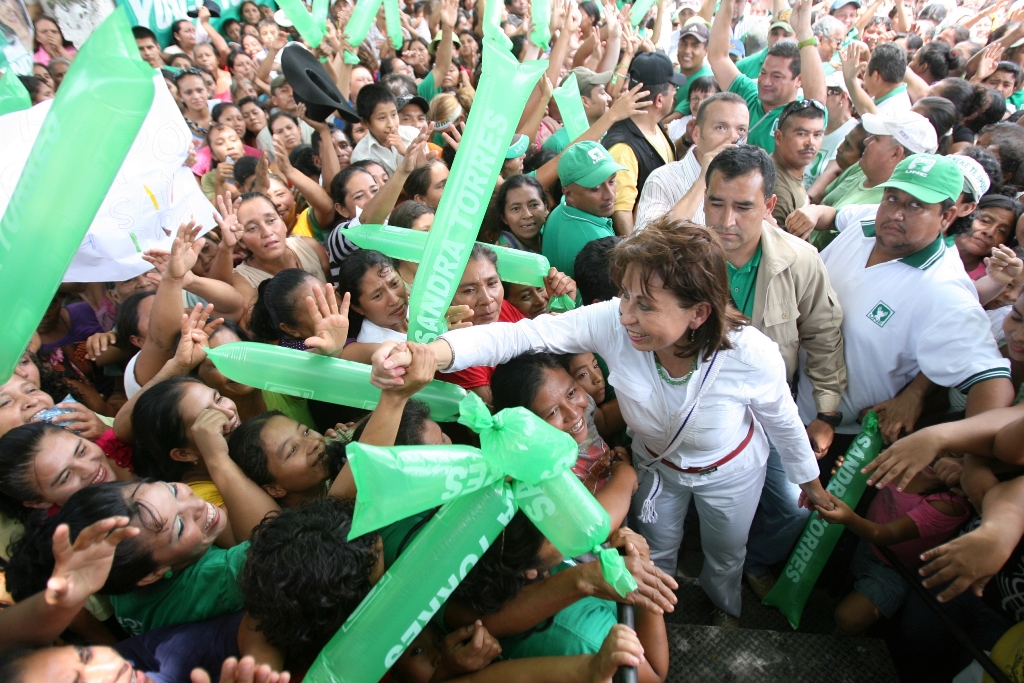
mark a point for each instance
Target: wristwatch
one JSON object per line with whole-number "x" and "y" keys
{"x": 813, "y": 40}
{"x": 832, "y": 420}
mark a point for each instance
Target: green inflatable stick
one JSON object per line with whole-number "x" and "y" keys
{"x": 98, "y": 112}
{"x": 414, "y": 588}
{"x": 322, "y": 378}
{"x": 13, "y": 96}
{"x": 319, "y": 13}
{"x": 311, "y": 31}
{"x": 393, "y": 19}
{"x": 505, "y": 86}
{"x": 570, "y": 106}
{"x": 514, "y": 265}
{"x": 819, "y": 538}
{"x": 363, "y": 16}
{"x": 639, "y": 11}
{"x": 492, "y": 26}
{"x": 540, "y": 13}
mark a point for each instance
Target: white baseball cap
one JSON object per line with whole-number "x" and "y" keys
{"x": 910, "y": 129}
{"x": 976, "y": 180}
{"x": 836, "y": 80}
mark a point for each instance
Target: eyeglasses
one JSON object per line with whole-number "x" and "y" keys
{"x": 800, "y": 105}
{"x": 835, "y": 91}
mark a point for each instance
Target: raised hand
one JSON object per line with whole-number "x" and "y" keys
{"x": 227, "y": 220}
{"x": 81, "y": 569}
{"x": 330, "y": 322}
{"x": 196, "y": 328}
{"x": 1003, "y": 266}
{"x": 629, "y": 104}
{"x": 449, "y": 13}
{"x": 244, "y": 671}
{"x": 453, "y": 135}
{"x": 389, "y": 364}
{"x": 557, "y": 283}
{"x": 184, "y": 250}
{"x": 98, "y": 344}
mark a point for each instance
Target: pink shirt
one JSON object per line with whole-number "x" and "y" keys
{"x": 934, "y": 527}
{"x": 43, "y": 57}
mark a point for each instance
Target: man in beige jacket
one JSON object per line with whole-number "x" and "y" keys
{"x": 780, "y": 283}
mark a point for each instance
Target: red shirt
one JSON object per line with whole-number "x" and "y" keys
{"x": 480, "y": 376}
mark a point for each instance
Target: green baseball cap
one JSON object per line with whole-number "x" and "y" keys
{"x": 588, "y": 164}
{"x": 928, "y": 177}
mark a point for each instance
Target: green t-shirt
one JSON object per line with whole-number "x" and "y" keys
{"x": 558, "y": 141}
{"x": 426, "y": 88}
{"x": 683, "y": 94}
{"x": 567, "y": 231}
{"x": 751, "y": 66}
{"x": 762, "y": 124}
{"x": 579, "y": 629}
{"x": 742, "y": 283}
{"x": 849, "y": 189}
{"x": 1016, "y": 99}
{"x": 292, "y": 406}
{"x": 397, "y": 537}
{"x": 203, "y": 590}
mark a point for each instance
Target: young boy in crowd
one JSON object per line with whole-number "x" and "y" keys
{"x": 387, "y": 140}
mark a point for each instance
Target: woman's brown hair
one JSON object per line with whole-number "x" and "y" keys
{"x": 690, "y": 261}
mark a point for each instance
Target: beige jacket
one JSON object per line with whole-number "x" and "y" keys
{"x": 794, "y": 305}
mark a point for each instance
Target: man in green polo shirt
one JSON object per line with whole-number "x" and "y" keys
{"x": 781, "y": 29}
{"x": 787, "y": 67}
{"x": 693, "y": 48}
{"x": 587, "y": 173}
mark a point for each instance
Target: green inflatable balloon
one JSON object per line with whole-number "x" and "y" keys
{"x": 309, "y": 28}
{"x": 819, "y": 538}
{"x": 492, "y": 26}
{"x": 96, "y": 115}
{"x": 514, "y": 265}
{"x": 561, "y": 304}
{"x": 639, "y": 11}
{"x": 540, "y": 12}
{"x": 505, "y": 86}
{"x": 393, "y": 19}
{"x": 13, "y": 96}
{"x": 319, "y": 13}
{"x": 322, "y": 378}
{"x": 414, "y": 588}
{"x": 363, "y": 15}
{"x": 570, "y": 106}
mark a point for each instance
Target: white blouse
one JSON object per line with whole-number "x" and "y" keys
{"x": 745, "y": 383}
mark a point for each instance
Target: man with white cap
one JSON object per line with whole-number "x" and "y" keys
{"x": 840, "y": 123}
{"x": 908, "y": 306}
{"x": 890, "y": 141}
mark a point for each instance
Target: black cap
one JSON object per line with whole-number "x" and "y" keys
{"x": 208, "y": 4}
{"x": 404, "y": 100}
{"x": 654, "y": 68}
{"x": 312, "y": 86}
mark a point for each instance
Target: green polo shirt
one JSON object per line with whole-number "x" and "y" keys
{"x": 567, "y": 231}
{"x": 683, "y": 93}
{"x": 901, "y": 88}
{"x": 1016, "y": 99}
{"x": 558, "y": 141}
{"x": 742, "y": 283}
{"x": 426, "y": 88}
{"x": 762, "y": 124}
{"x": 751, "y": 66}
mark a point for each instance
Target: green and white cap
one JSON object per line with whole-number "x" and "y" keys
{"x": 586, "y": 163}
{"x": 928, "y": 177}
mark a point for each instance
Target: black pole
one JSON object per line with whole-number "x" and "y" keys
{"x": 626, "y": 674}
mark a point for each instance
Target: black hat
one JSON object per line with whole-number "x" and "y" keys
{"x": 404, "y": 100}
{"x": 312, "y": 86}
{"x": 654, "y": 68}
{"x": 208, "y": 4}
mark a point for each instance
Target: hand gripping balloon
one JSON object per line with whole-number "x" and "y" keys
{"x": 96, "y": 115}
{"x": 514, "y": 265}
{"x": 505, "y": 86}
{"x": 394, "y": 483}
{"x": 819, "y": 538}
{"x": 13, "y": 96}
{"x": 310, "y": 375}
{"x": 570, "y": 106}
{"x": 639, "y": 11}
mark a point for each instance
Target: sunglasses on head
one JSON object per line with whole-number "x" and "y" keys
{"x": 801, "y": 105}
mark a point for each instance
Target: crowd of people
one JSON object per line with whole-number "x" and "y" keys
{"x": 779, "y": 219}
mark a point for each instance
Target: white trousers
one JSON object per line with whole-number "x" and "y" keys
{"x": 726, "y": 508}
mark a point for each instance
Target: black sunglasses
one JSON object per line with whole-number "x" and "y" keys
{"x": 800, "y": 105}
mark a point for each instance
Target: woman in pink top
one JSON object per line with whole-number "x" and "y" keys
{"x": 50, "y": 42}
{"x": 909, "y": 522}
{"x": 993, "y": 224}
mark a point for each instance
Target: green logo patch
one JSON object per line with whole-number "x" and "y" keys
{"x": 880, "y": 314}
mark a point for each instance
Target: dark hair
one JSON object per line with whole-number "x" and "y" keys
{"x": 992, "y": 201}
{"x": 653, "y": 90}
{"x": 159, "y": 429}
{"x": 280, "y": 114}
{"x": 387, "y": 65}
{"x": 482, "y": 251}
{"x": 245, "y": 446}
{"x": 371, "y": 95}
{"x": 32, "y": 561}
{"x": 962, "y": 33}
{"x": 303, "y": 576}
{"x": 350, "y": 279}
{"x": 992, "y": 111}
{"x": 245, "y": 168}
{"x": 406, "y": 213}
{"x": 418, "y": 181}
{"x": 248, "y": 100}
{"x": 493, "y": 223}
{"x": 704, "y": 84}
{"x": 315, "y": 138}
{"x": 141, "y": 33}
{"x": 933, "y": 12}
{"x": 276, "y": 304}
{"x": 885, "y": 22}
{"x": 889, "y": 61}
{"x": 175, "y": 28}
{"x": 939, "y": 59}
{"x": 189, "y": 71}
{"x": 967, "y": 98}
{"x": 690, "y": 261}
{"x": 1007, "y": 145}
{"x": 32, "y": 85}
{"x": 592, "y": 270}
{"x": 302, "y": 159}
{"x": 1011, "y": 68}
{"x": 803, "y": 109}
{"x": 516, "y": 383}
{"x": 127, "y": 319}
{"x": 787, "y": 49}
{"x": 498, "y": 577}
{"x": 399, "y": 84}
{"x": 339, "y": 184}
{"x": 224, "y": 26}
{"x": 702, "y": 111}
{"x": 988, "y": 162}
{"x": 414, "y": 420}
{"x": 590, "y": 8}
{"x": 18, "y": 450}
{"x": 242, "y": 6}
{"x": 220, "y": 108}
{"x": 734, "y": 162}
{"x": 941, "y": 113}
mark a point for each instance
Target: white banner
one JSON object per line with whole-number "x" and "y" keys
{"x": 152, "y": 194}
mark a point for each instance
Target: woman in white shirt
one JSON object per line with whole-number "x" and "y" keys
{"x": 697, "y": 387}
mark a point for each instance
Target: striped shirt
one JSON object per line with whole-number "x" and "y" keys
{"x": 666, "y": 186}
